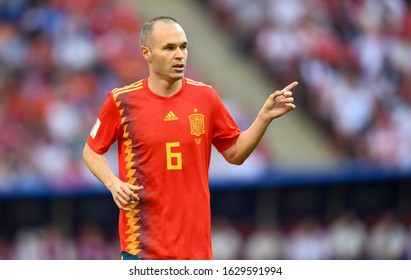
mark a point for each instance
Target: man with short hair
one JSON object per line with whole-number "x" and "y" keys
{"x": 165, "y": 126}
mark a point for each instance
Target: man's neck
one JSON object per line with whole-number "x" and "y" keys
{"x": 163, "y": 87}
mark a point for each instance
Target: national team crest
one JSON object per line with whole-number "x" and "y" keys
{"x": 196, "y": 123}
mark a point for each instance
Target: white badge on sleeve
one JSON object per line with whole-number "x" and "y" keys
{"x": 95, "y": 128}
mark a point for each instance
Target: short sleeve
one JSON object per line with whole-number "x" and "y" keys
{"x": 107, "y": 128}
{"x": 225, "y": 129}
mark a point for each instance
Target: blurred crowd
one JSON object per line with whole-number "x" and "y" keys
{"x": 345, "y": 237}
{"x": 49, "y": 243}
{"x": 352, "y": 59}
{"x": 58, "y": 60}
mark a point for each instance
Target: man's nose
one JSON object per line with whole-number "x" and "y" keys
{"x": 179, "y": 53}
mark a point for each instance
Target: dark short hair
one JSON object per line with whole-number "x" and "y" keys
{"x": 146, "y": 30}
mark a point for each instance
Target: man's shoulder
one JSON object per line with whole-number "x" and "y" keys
{"x": 127, "y": 89}
{"x": 191, "y": 82}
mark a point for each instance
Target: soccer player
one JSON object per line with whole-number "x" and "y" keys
{"x": 165, "y": 125}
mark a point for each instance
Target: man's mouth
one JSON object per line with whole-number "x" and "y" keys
{"x": 178, "y": 67}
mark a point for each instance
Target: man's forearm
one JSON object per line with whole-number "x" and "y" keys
{"x": 247, "y": 141}
{"x": 98, "y": 166}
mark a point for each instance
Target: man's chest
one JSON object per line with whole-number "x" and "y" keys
{"x": 155, "y": 123}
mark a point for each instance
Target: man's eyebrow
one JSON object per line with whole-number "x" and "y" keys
{"x": 185, "y": 43}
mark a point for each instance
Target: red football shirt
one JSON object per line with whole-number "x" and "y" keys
{"x": 164, "y": 144}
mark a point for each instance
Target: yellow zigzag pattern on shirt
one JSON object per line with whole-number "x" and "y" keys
{"x": 132, "y": 231}
{"x": 131, "y": 216}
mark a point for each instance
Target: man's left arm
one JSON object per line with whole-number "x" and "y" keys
{"x": 277, "y": 104}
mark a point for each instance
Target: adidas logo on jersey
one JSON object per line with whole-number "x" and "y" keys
{"x": 170, "y": 117}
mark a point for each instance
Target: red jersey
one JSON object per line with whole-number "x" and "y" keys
{"x": 164, "y": 144}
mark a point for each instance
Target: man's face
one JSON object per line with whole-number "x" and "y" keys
{"x": 168, "y": 53}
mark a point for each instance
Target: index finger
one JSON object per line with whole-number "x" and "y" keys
{"x": 133, "y": 189}
{"x": 290, "y": 86}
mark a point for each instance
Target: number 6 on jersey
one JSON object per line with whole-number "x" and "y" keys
{"x": 174, "y": 160}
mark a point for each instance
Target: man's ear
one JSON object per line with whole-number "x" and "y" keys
{"x": 145, "y": 51}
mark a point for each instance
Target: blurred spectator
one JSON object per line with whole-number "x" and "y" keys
{"x": 43, "y": 243}
{"x": 226, "y": 239}
{"x": 347, "y": 237}
{"x": 264, "y": 243}
{"x": 381, "y": 132}
{"x": 28, "y": 244}
{"x": 91, "y": 244}
{"x": 6, "y": 249}
{"x": 388, "y": 238}
{"x": 55, "y": 246}
{"x": 351, "y": 119}
{"x": 307, "y": 241}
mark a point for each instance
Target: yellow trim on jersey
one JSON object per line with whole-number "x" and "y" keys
{"x": 133, "y": 86}
{"x": 195, "y": 83}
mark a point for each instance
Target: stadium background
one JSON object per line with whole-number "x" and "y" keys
{"x": 330, "y": 181}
